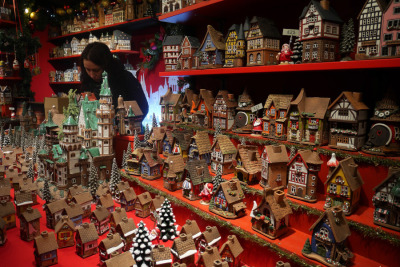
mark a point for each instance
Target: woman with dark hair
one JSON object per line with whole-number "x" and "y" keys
{"x": 96, "y": 58}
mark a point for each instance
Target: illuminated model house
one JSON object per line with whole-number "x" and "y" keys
{"x": 224, "y": 110}
{"x": 150, "y": 165}
{"x": 195, "y": 176}
{"x": 223, "y": 152}
{"x": 231, "y": 252}
{"x": 275, "y": 116}
{"x": 203, "y": 110}
{"x": 167, "y": 141}
{"x": 129, "y": 117}
{"x": 171, "y": 51}
{"x": 308, "y": 123}
{"x": 235, "y": 47}
{"x": 172, "y": 5}
{"x": 212, "y": 49}
{"x": 248, "y": 164}
{"x": 86, "y": 240}
{"x": 262, "y": 42}
{"x": 121, "y": 40}
{"x": 172, "y": 172}
{"x": 189, "y": 46}
{"x": 274, "y": 160}
{"x": 244, "y": 117}
{"x": 391, "y": 30}
{"x": 343, "y": 186}
{"x": 64, "y": 231}
{"x": 171, "y": 107}
{"x": 348, "y": 121}
{"x": 303, "y": 175}
{"x": 369, "y": 29}
{"x": 386, "y": 200}
{"x": 227, "y": 201}
{"x": 319, "y": 32}
{"x": 200, "y": 147}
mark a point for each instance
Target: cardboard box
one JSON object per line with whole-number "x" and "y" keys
{"x": 58, "y": 102}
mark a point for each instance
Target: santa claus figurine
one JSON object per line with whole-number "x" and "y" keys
{"x": 284, "y": 56}
{"x": 206, "y": 194}
{"x": 257, "y": 127}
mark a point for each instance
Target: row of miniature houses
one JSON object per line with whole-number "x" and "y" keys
{"x": 307, "y": 120}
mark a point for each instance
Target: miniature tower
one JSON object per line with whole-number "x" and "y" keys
{"x": 121, "y": 116}
{"x": 105, "y": 115}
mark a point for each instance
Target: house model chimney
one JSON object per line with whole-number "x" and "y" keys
{"x": 118, "y": 209}
{"x": 161, "y": 248}
{"x": 325, "y": 4}
{"x": 114, "y": 254}
{"x": 353, "y": 169}
{"x": 279, "y": 195}
{"x": 125, "y": 220}
{"x": 217, "y": 263}
{"x": 85, "y": 225}
{"x": 183, "y": 237}
{"x": 209, "y": 250}
{"x": 44, "y": 234}
{"x": 110, "y": 236}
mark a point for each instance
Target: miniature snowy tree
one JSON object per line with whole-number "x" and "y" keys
{"x": 34, "y": 156}
{"x": 217, "y": 178}
{"x": 217, "y": 130}
{"x": 348, "y": 40}
{"x": 42, "y": 142}
{"x": 129, "y": 148}
{"x": 10, "y": 135}
{"x": 136, "y": 141}
{"x": 30, "y": 174}
{"x": 6, "y": 140}
{"x": 297, "y": 51}
{"x": 292, "y": 152}
{"x": 307, "y": 247}
{"x": 167, "y": 222}
{"x": 124, "y": 163}
{"x": 154, "y": 121}
{"x": 115, "y": 177}
{"x": 1, "y": 136}
{"x": 142, "y": 246}
{"x": 147, "y": 133}
{"x": 93, "y": 180}
{"x": 46, "y": 191}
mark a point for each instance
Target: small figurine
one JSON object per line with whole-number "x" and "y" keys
{"x": 257, "y": 127}
{"x": 206, "y": 194}
{"x": 284, "y": 57}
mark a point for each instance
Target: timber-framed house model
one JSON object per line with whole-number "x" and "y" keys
{"x": 203, "y": 110}
{"x": 212, "y": 49}
{"x": 275, "y": 116}
{"x": 171, "y": 107}
{"x": 188, "y": 47}
{"x": 188, "y": 105}
{"x": 195, "y": 176}
{"x": 348, "y": 121}
{"x": 235, "y": 47}
{"x": 224, "y": 110}
{"x": 247, "y": 164}
{"x": 319, "y": 32}
{"x": 390, "y": 46}
{"x": 200, "y": 147}
{"x": 171, "y": 51}
{"x": 223, "y": 152}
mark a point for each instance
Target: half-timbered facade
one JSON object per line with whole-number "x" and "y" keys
{"x": 275, "y": 116}
{"x": 235, "y": 47}
{"x": 212, "y": 49}
{"x": 171, "y": 51}
{"x": 203, "y": 110}
{"x": 390, "y": 39}
{"x": 223, "y": 152}
{"x": 224, "y": 110}
{"x": 171, "y": 107}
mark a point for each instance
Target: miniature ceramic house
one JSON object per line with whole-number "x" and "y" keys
{"x": 121, "y": 186}
{"x": 143, "y": 204}
{"x": 101, "y": 190}
{"x": 134, "y": 164}
{"x": 124, "y": 259}
{"x": 223, "y": 152}
{"x": 150, "y": 165}
{"x": 303, "y": 175}
{"x": 212, "y": 49}
{"x": 161, "y": 256}
{"x": 171, "y": 51}
{"x": 384, "y": 135}
{"x": 171, "y": 107}
{"x": 107, "y": 202}
{"x": 129, "y": 117}
{"x": 127, "y": 230}
{"x": 386, "y": 199}
{"x": 244, "y": 116}
{"x": 203, "y": 109}
{"x": 45, "y": 249}
{"x": 227, "y": 201}
{"x": 328, "y": 241}
{"x": 156, "y": 137}
{"x": 274, "y": 160}
{"x": 275, "y": 116}
{"x": 173, "y": 172}
{"x": 231, "y": 252}
{"x": 121, "y": 40}
{"x": 319, "y": 32}
{"x": 100, "y": 217}
{"x": 5, "y": 193}
{"x": 200, "y": 147}
{"x": 181, "y": 143}
{"x": 7, "y": 213}
{"x": 155, "y": 207}
{"x": 191, "y": 227}
{"x": 183, "y": 250}
{"x": 235, "y": 47}
{"x": 195, "y": 175}
{"x": 64, "y": 231}
{"x": 308, "y": 120}
{"x": 262, "y": 42}
{"x": 210, "y": 237}
{"x": 116, "y": 218}
{"x": 189, "y": 102}
{"x": 172, "y": 5}
{"x": 3, "y": 232}
{"x": 271, "y": 216}
{"x": 347, "y": 121}
{"x": 343, "y": 186}
{"x": 86, "y": 240}
{"x": 30, "y": 224}
{"x": 247, "y": 164}
{"x": 167, "y": 141}
{"x": 113, "y": 242}
{"x": 74, "y": 190}
{"x": 188, "y": 47}
{"x": 75, "y": 213}
{"x": 390, "y": 29}
{"x": 224, "y": 110}
{"x": 127, "y": 200}
{"x": 84, "y": 200}
{"x": 208, "y": 257}
{"x": 369, "y": 30}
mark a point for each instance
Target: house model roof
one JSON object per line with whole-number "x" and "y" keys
{"x": 189, "y": 97}
{"x": 134, "y": 106}
{"x": 100, "y": 213}
{"x": 46, "y": 242}
{"x": 31, "y": 214}
{"x": 194, "y": 41}
{"x": 351, "y": 173}
{"x": 121, "y": 186}
{"x": 168, "y": 136}
{"x": 329, "y": 15}
{"x": 87, "y": 232}
{"x": 129, "y": 194}
{"x": 175, "y": 164}
{"x": 73, "y": 210}
{"x": 76, "y": 189}
{"x": 233, "y": 245}
{"x": 278, "y": 203}
{"x": 203, "y": 142}
{"x": 183, "y": 246}
{"x": 161, "y": 255}
{"x": 112, "y": 242}
{"x": 230, "y": 102}
{"x": 245, "y": 98}
{"x": 144, "y": 198}
{"x": 126, "y": 226}
{"x": 276, "y": 154}
{"x": 216, "y": 37}
{"x": 23, "y": 198}
{"x": 6, "y": 208}
{"x": 147, "y": 153}
{"x": 211, "y": 235}
{"x": 103, "y": 189}
{"x": 158, "y": 200}
{"x": 82, "y": 198}
{"x": 173, "y": 40}
{"x": 193, "y": 166}
{"x": 210, "y": 255}
{"x": 225, "y": 144}
{"x": 281, "y": 102}
{"x": 120, "y": 35}
{"x": 337, "y": 222}
{"x": 393, "y": 172}
{"x": 389, "y": 103}
{"x": 308, "y": 156}
{"x": 183, "y": 138}
{"x": 118, "y": 214}
{"x": 65, "y": 220}
{"x": 106, "y": 200}
{"x": 267, "y": 27}
{"x": 250, "y": 158}
{"x": 315, "y": 107}
{"x": 170, "y": 98}
{"x": 232, "y": 190}
{"x": 124, "y": 259}
{"x": 353, "y": 97}
{"x": 191, "y": 227}
{"x": 208, "y": 98}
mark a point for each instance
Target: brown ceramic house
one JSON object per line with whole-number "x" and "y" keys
{"x": 224, "y": 110}
{"x": 208, "y": 257}
{"x": 167, "y": 143}
{"x": 200, "y": 147}
{"x": 181, "y": 143}
{"x": 173, "y": 168}
{"x": 171, "y": 107}
{"x": 104, "y": 188}
{"x": 86, "y": 240}
{"x": 227, "y": 201}
{"x": 45, "y": 249}
{"x": 188, "y": 103}
{"x": 127, "y": 199}
{"x": 223, "y": 152}
{"x": 84, "y": 200}
{"x": 127, "y": 230}
{"x": 107, "y": 202}
{"x": 110, "y": 244}
{"x": 75, "y": 213}
{"x": 119, "y": 260}
{"x": 5, "y": 194}
{"x": 248, "y": 164}
{"x": 74, "y": 190}
{"x": 274, "y": 160}
{"x": 116, "y": 217}
{"x": 22, "y": 201}
{"x": 271, "y": 216}
{"x": 210, "y": 237}
{"x": 54, "y": 212}
{"x": 142, "y": 205}
{"x": 64, "y": 231}
{"x": 150, "y": 165}
{"x": 183, "y": 250}
{"x": 189, "y": 46}
{"x": 100, "y": 217}
{"x": 244, "y": 117}
{"x": 275, "y": 116}
{"x": 7, "y": 213}
{"x": 30, "y": 224}
{"x": 231, "y": 252}
{"x": 196, "y": 175}
{"x": 155, "y": 206}
{"x": 191, "y": 227}
{"x": 203, "y": 110}
{"x": 121, "y": 186}
{"x": 161, "y": 256}
{"x": 156, "y": 137}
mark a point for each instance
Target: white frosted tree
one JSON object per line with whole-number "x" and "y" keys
{"x": 129, "y": 148}
{"x": 30, "y": 174}
{"x": 292, "y": 152}
{"x": 217, "y": 180}
{"x": 242, "y": 141}
{"x": 167, "y": 222}
{"x": 46, "y": 191}
{"x": 155, "y": 124}
{"x": 142, "y": 246}
{"x": 6, "y": 140}
{"x": 93, "y": 180}
{"x": 217, "y": 130}
{"x": 136, "y": 141}
{"x": 115, "y": 177}
{"x": 348, "y": 40}
{"x": 147, "y": 133}
{"x": 124, "y": 162}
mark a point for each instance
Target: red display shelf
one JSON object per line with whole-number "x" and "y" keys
{"x": 291, "y": 242}
{"x": 347, "y": 65}
{"x": 62, "y": 83}
{"x": 11, "y": 78}
{"x": 126, "y": 52}
{"x": 7, "y": 23}
{"x": 131, "y": 24}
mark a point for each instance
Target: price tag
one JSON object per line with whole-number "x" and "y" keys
{"x": 291, "y": 32}
{"x": 256, "y": 107}
{"x": 11, "y": 108}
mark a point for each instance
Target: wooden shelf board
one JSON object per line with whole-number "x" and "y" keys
{"x": 326, "y": 66}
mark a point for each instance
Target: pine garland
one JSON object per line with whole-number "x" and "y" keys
{"x": 372, "y": 160}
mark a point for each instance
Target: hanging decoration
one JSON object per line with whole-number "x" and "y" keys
{"x": 152, "y": 50}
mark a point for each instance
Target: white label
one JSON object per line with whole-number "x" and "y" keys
{"x": 11, "y": 108}
{"x": 291, "y": 32}
{"x": 256, "y": 107}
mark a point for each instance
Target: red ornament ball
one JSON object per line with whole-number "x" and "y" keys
{"x": 262, "y": 217}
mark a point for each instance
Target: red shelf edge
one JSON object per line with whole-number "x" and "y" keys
{"x": 132, "y": 52}
{"x": 10, "y": 78}
{"x": 169, "y": 15}
{"x": 338, "y": 65}
{"x": 64, "y": 83}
